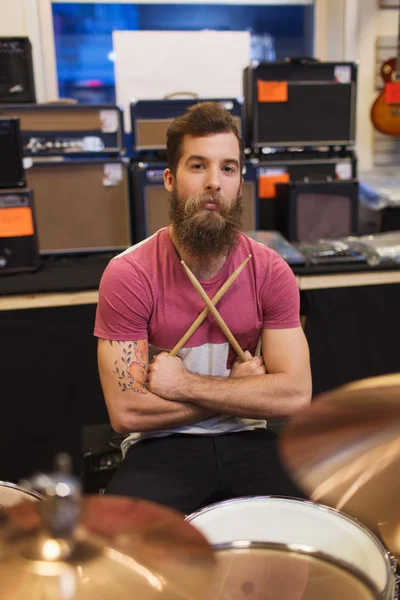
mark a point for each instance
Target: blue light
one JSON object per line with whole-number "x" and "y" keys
{"x": 83, "y": 36}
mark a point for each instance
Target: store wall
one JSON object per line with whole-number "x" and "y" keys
{"x": 12, "y": 21}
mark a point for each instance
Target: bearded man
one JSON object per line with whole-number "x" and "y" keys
{"x": 197, "y": 422}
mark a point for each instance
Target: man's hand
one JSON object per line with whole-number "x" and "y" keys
{"x": 255, "y": 366}
{"x": 167, "y": 377}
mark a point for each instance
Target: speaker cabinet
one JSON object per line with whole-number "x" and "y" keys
{"x": 150, "y": 119}
{"x": 16, "y": 70}
{"x": 300, "y": 103}
{"x": 18, "y": 239}
{"x": 289, "y": 167}
{"x": 81, "y": 205}
{"x": 150, "y": 199}
{"x": 11, "y": 160}
{"x": 309, "y": 211}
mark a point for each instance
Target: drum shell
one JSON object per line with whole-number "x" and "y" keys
{"x": 295, "y": 521}
{"x": 272, "y": 571}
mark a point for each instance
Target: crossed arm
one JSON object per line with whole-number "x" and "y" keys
{"x": 131, "y": 405}
{"x": 142, "y": 397}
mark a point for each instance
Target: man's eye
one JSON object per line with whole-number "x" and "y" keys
{"x": 197, "y": 166}
{"x": 229, "y": 169}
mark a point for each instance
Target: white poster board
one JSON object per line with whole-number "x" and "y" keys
{"x": 149, "y": 65}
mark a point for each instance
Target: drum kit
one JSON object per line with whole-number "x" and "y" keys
{"x": 341, "y": 544}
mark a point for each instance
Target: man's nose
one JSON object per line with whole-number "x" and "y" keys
{"x": 213, "y": 182}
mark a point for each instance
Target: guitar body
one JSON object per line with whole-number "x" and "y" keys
{"x": 386, "y": 117}
{"x": 385, "y": 111}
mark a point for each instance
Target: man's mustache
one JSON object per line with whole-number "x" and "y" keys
{"x": 195, "y": 203}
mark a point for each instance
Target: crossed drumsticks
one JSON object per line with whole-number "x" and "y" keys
{"x": 210, "y": 307}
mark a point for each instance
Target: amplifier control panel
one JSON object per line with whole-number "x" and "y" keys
{"x": 63, "y": 145}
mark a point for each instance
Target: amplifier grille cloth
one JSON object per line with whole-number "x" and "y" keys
{"x": 323, "y": 215}
{"x": 75, "y": 211}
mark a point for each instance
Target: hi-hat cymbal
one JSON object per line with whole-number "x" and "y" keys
{"x": 121, "y": 548}
{"x": 344, "y": 451}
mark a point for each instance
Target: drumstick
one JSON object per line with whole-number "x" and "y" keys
{"x": 224, "y": 327}
{"x": 196, "y": 324}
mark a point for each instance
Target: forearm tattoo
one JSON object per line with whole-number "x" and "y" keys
{"x": 131, "y": 365}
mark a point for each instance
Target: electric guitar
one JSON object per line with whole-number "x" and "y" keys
{"x": 385, "y": 112}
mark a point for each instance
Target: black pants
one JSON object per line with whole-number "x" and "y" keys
{"x": 187, "y": 472}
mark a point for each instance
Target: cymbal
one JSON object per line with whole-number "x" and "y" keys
{"x": 391, "y": 380}
{"x": 121, "y": 548}
{"x": 344, "y": 451}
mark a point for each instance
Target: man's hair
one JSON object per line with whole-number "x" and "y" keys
{"x": 201, "y": 120}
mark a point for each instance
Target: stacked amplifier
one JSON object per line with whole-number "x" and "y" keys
{"x": 75, "y": 171}
{"x": 300, "y": 120}
{"x": 18, "y": 231}
{"x": 300, "y": 103}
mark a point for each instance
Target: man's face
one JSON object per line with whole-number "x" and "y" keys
{"x": 206, "y": 203}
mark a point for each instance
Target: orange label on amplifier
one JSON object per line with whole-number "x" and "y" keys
{"x": 266, "y": 184}
{"x": 272, "y": 91}
{"x": 16, "y": 222}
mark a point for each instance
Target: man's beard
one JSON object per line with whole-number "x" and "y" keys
{"x": 202, "y": 232}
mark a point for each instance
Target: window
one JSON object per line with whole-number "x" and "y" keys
{"x": 83, "y": 36}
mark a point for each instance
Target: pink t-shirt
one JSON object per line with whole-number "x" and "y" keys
{"x": 145, "y": 293}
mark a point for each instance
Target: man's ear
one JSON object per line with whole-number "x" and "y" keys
{"x": 168, "y": 180}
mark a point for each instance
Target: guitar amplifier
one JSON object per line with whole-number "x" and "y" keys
{"x": 150, "y": 199}
{"x": 288, "y": 167}
{"x": 150, "y": 120}
{"x": 75, "y": 129}
{"x": 18, "y": 236}
{"x": 12, "y": 174}
{"x": 300, "y": 103}
{"x": 16, "y": 70}
{"x": 82, "y": 205}
{"x": 314, "y": 210}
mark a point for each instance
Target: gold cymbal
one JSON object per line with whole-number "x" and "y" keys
{"x": 121, "y": 548}
{"x": 344, "y": 451}
{"x": 391, "y": 380}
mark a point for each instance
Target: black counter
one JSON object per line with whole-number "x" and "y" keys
{"x": 83, "y": 272}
